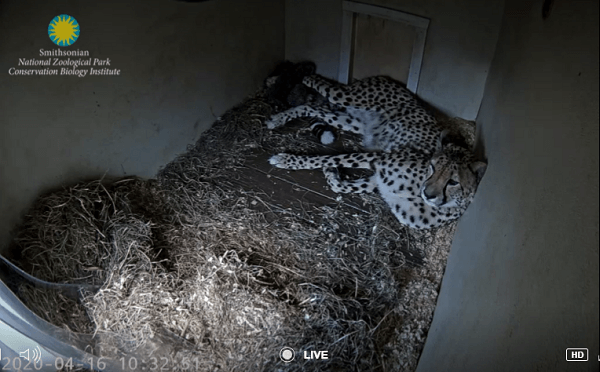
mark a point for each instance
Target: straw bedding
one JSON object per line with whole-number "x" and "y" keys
{"x": 214, "y": 277}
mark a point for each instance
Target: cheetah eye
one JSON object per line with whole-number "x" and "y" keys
{"x": 452, "y": 182}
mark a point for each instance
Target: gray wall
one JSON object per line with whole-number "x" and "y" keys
{"x": 521, "y": 283}
{"x": 458, "y": 52}
{"x": 181, "y": 66}
{"x": 313, "y": 31}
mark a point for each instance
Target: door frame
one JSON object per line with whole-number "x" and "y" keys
{"x": 351, "y": 9}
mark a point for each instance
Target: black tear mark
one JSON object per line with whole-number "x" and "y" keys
{"x": 547, "y": 8}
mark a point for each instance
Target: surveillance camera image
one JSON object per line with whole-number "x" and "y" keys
{"x": 299, "y": 185}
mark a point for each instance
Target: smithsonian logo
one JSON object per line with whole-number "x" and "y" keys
{"x": 63, "y": 31}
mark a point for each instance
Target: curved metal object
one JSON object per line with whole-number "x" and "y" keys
{"x": 69, "y": 290}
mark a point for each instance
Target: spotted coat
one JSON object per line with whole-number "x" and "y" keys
{"x": 425, "y": 179}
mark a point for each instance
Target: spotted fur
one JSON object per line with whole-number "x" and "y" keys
{"x": 424, "y": 178}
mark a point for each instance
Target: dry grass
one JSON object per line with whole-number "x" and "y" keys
{"x": 191, "y": 270}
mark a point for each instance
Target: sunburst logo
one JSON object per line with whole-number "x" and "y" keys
{"x": 63, "y": 30}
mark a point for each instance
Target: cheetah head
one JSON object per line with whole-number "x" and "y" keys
{"x": 453, "y": 175}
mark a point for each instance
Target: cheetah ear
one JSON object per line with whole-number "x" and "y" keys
{"x": 443, "y": 139}
{"x": 478, "y": 168}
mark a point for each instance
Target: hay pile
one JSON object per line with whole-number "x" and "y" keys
{"x": 192, "y": 269}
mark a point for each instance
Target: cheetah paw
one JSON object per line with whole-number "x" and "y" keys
{"x": 332, "y": 173}
{"x": 279, "y": 160}
{"x": 275, "y": 121}
{"x": 332, "y": 176}
{"x": 308, "y": 80}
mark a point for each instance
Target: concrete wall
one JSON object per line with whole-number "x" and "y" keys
{"x": 458, "y": 52}
{"x": 181, "y": 66}
{"x": 521, "y": 283}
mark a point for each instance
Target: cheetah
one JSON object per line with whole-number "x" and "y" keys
{"x": 427, "y": 177}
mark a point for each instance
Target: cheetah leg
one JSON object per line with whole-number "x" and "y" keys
{"x": 351, "y": 95}
{"x": 333, "y": 92}
{"x": 323, "y": 86}
{"x": 337, "y": 120}
{"x": 359, "y": 186}
{"x": 355, "y": 160}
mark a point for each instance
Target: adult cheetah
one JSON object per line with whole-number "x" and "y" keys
{"x": 425, "y": 176}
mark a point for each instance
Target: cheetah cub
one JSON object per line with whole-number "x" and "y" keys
{"x": 426, "y": 179}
